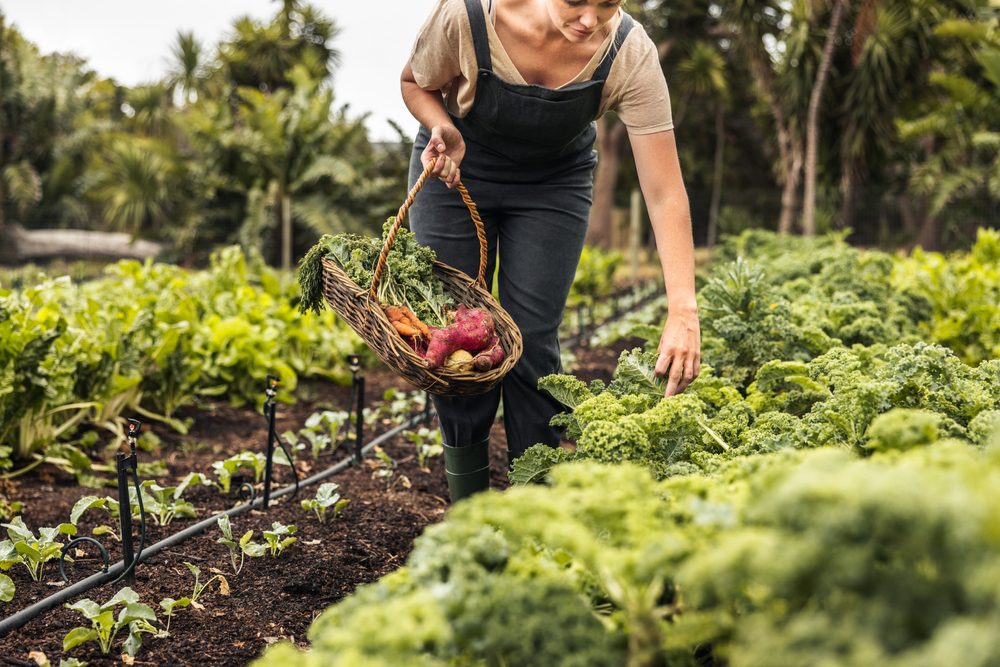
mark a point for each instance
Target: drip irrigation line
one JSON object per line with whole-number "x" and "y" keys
{"x": 22, "y": 617}
{"x": 576, "y": 339}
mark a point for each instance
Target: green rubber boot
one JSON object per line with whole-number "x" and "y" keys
{"x": 467, "y": 469}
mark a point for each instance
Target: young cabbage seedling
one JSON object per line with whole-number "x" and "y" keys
{"x": 169, "y": 605}
{"x": 278, "y": 537}
{"x": 165, "y": 502}
{"x": 326, "y": 497}
{"x": 244, "y": 547}
{"x": 199, "y": 588}
{"x": 428, "y": 443}
{"x": 384, "y": 467}
{"x": 255, "y": 461}
{"x": 104, "y": 627}
{"x": 32, "y": 552}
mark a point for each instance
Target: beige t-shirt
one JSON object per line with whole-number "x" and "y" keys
{"x": 444, "y": 58}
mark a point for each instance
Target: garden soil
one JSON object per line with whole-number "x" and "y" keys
{"x": 271, "y": 598}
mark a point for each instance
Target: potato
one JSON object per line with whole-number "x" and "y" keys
{"x": 459, "y": 360}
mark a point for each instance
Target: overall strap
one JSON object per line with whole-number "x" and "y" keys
{"x": 624, "y": 28}
{"x": 480, "y": 37}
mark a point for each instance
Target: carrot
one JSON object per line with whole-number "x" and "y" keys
{"x": 405, "y": 322}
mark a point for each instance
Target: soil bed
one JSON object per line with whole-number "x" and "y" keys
{"x": 271, "y": 598}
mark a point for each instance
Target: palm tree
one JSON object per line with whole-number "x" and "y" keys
{"x": 261, "y": 55}
{"x": 285, "y": 136}
{"x": 185, "y": 76}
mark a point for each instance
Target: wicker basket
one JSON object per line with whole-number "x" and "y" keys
{"x": 361, "y": 310}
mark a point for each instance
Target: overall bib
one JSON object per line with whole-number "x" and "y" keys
{"x": 529, "y": 166}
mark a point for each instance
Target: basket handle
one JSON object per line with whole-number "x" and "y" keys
{"x": 401, "y": 215}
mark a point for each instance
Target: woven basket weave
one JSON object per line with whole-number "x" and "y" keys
{"x": 360, "y": 308}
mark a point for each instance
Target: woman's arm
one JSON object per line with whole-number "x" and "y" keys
{"x": 427, "y": 106}
{"x": 666, "y": 199}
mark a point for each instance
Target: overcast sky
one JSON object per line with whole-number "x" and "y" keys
{"x": 131, "y": 40}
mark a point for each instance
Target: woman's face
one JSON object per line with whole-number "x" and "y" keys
{"x": 580, "y": 20}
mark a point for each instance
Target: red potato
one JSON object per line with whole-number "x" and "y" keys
{"x": 490, "y": 357}
{"x": 473, "y": 330}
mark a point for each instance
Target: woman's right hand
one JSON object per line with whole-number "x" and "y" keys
{"x": 446, "y": 144}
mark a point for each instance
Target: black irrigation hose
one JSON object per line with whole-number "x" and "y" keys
{"x": 22, "y": 617}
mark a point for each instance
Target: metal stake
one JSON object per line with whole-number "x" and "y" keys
{"x": 270, "y": 406}
{"x": 126, "y": 465}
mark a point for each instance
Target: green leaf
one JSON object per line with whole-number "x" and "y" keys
{"x": 17, "y": 530}
{"x": 88, "y": 608}
{"x": 126, "y": 595}
{"x": 169, "y": 604}
{"x": 6, "y": 588}
{"x": 28, "y": 551}
{"x": 135, "y": 611}
{"x": 84, "y": 504}
{"x": 77, "y": 636}
{"x": 634, "y": 373}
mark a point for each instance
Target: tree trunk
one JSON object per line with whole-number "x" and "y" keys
{"x": 929, "y": 237}
{"x": 286, "y": 231}
{"x": 21, "y": 245}
{"x": 812, "y": 122}
{"x": 611, "y": 146}
{"x": 790, "y": 190}
{"x": 789, "y": 144}
{"x": 720, "y": 142}
{"x": 848, "y": 194}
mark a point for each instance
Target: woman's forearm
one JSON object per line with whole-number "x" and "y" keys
{"x": 667, "y": 202}
{"x": 671, "y": 221}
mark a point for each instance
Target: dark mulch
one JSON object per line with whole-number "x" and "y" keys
{"x": 271, "y": 598}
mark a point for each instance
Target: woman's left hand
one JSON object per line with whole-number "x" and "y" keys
{"x": 680, "y": 350}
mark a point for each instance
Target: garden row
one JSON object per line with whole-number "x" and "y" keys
{"x": 822, "y": 494}
{"x": 195, "y": 465}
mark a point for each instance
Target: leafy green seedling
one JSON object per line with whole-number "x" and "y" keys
{"x": 278, "y": 538}
{"x": 326, "y": 497}
{"x": 385, "y": 468}
{"x": 254, "y": 461}
{"x": 135, "y": 616}
{"x": 199, "y": 588}
{"x": 243, "y": 547}
{"x": 165, "y": 503}
{"x": 32, "y": 552}
{"x": 428, "y": 444}
{"x": 8, "y": 510}
{"x": 169, "y": 606}
{"x": 193, "y": 478}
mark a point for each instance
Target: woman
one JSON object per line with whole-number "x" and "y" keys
{"x": 507, "y": 92}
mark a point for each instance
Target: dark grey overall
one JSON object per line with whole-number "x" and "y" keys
{"x": 529, "y": 166}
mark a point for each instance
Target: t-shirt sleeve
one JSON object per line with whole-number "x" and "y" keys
{"x": 641, "y": 99}
{"x": 443, "y": 56}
